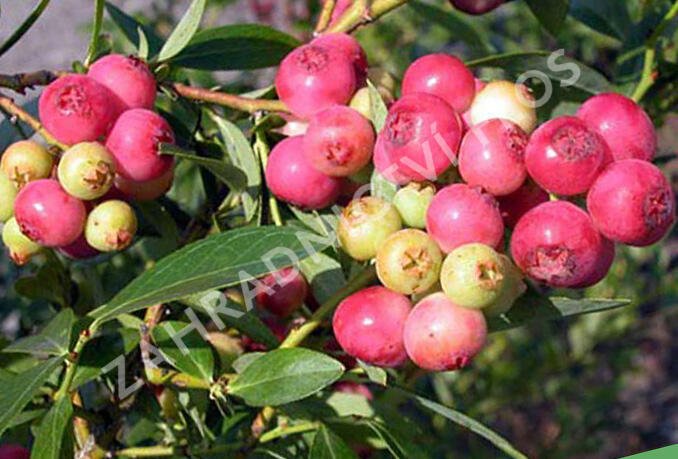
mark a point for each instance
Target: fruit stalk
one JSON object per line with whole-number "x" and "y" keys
{"x": 229, "y": 100}
{"x": 8, "y": 105}
{"x": 361, "y": 13}
{"x": 325, "y": 16}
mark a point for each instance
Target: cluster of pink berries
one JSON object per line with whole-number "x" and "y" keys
{"x": 77, "y": 201}
{"x": 476, "y": 170}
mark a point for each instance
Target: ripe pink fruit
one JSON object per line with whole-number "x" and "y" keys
{"x": 460, "y": 214}
{"x": 515, "y": 205}
{"x": 76, "y": 108}
{"x": 476, "y": 6}
{"x": 10, "y": 451}
{"x": 351, "y": 47}
{"x": 421, "y": 135}
{"x": 491, "y": 156}
{"x": 623, "y": 124}
{"x": 289, "y": 292}
{"x": 382, "y": 163}
{"x": 143, "y": 191}
{"x": 441, "y": 336}
{"x": 48, "y": 215}
{"x": 369, "y": 326}
{"x": 79, "y": 250}
{"x": 292, "y": 178}
{"x": 134, "y": 142}
{"x": 128, "y": 78}
{"x": 564, "y": 156}
{"x": 557, "y": 243}
{"x": 314, "y": 77}
{"x": 632, "y": 202}
{"x": 444, "y": 76}
{"x": 339, "y": 141}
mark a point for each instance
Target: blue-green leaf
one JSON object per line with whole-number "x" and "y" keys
{"x": 184, "y": 31}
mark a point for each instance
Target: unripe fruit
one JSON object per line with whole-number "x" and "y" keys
{"x": 289, "y": 292}
{"x": 564, "y": 156}
{"x": 476, "y": 6}
{"x": 86, "y": 170}
{"x": 369, "y": 326}
{"x": 79, "y": 250}
{"x": 25, "y": 161}
{"x": 351, "y": 48}
{"x": 128, "y": 78}
{"x": 48, "y": 215}
{"x": 442, "y": 75}
{"x": 383, "y": 164}
{"x": 442, "y": 336}
{"x": 111, "y": 226}
{"x": 365, "y": 224}
{"x": 466, "y": 116}
{"x": 412, "y": 202}
{"x": 460, "y": 214}
{"x": 556, "y": 243}
{"x": 421, "y": 135}
{"x": 339, "y": 141}
{"x": 632, "y": 202}
{"x": 623, "y": 124}
{"x": 314, "y": 77}
{"x": 515, "y": 205}
{"x": 21, "y": 249}
{"x": 77, "y": 108}
{"x": 147, "y": 190}
{"x": 10, "y": 451}
{"x": 134, "y": 142}
{"x": 7, "y": 195}
{"x": 491, "y": 156}
{"x": 503, "y": 99}
{"x": 514, "y": 287}
{"x": 409, "y": 262}
{"x": 292, "y": 178}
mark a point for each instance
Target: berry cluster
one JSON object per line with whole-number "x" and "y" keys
{"x": 476, "y": 171}
{"x": 77, "y": 201}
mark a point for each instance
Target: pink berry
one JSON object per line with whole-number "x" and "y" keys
{"x": 292, "y": 178}
{"x": 10, "y": 451}
{"x": 339, "y": 141}
{"x": 441, "y": 336}
{"x": 134, "y": 142}
{"x": 349, "y": 46}
{"x": 314, "y": 77}
{"x": 382, "y": 163}
{"x": 421, "y": 135}
{"x": 476, "y": 6}
{"x": 632, "y": 202}
{"x": 143, "y": 191}
{"x": 515, "y": 205}
{"x": 623, "y": 124}
{"x": 369, "y": 326}
{"x": 79, "y": 250}
{"x": 564, "y": 156}
{"x": 289, "y": 292}
{"x": 444, "y": 76}
{"x": 128, "y": 78}
{"x": 48, "y": 215}
{"x": 77, "y": 108}
{"x": 460, "y": 214}
{"x": 556, "y": 243}
{"x": 491, "y": 156}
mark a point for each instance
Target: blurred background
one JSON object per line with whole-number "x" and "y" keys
{"x": 603, "y": 385}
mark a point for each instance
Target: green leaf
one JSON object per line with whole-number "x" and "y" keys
{"x": 53, "y": 428}
{"x": 184, "y": 31}
{"x": 382, "y": 188}
{"x": 245, "y": 360}
{"x": 227, "y": 173}
{"x": 328, "y": 445}
{"x": 24, "y": 27}
{"x": 532, "y": 307}
{"x": 198, "y": 361}
{"x": 54, "y": 339}
{"x": 609, "y": 17}
{"x": 376, "y": 374}
{"x": 236, "y": 47}
{"x": 49, "y": 283}
{"x": 142, "y": 49}
{"x": 220, "y": 260}
{"x": 550, "y": 13}
{"x": 285, "y": 375}
{"x": 130, "y": 26}
{"x": 468, "y": 423}
{"x": 378, "y": 108}
{"x": 400, "y": 446}
{"x": 324, "y": 274}
{"x": 18, "y": 390}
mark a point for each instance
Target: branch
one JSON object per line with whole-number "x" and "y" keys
{"x": 8, "y": 105}
{"x": 72, "y": 363}
{"x": 228, "y": 100}
{"x": 360, "y": 14}
{"x": 22, "y": 81}
{"x": 325, "y": 16}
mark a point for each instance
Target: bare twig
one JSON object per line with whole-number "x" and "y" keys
{"x": 228, "y": 100}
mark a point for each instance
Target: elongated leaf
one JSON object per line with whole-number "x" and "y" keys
{"x": 217, "y": 261}
{"x": 609, "y": 17}
{"x": 130, "y": 27}
{"x": 284, "y": 376}
{"x": 236, "y": 47}
{"x": 382, "y": 188}
{"x": 198, "y": 361}
{"x": 328, "y": 445}
{"x": 245, "y": 360}
{"x": 54, "y": 426}
{"x": 227, "y": 173}
{"x": 20, "y": 389}
{"x": 551, "y": 13}
{"x": 400, "y": 446}
{"x": 532, "y": 307}
{"x": 376, "y": 374}
{"x": 184, "y": 31}
{"x": 325, "y": 275}
{"x": 54, "y": 339}
{"x": 24, "y": 27}
{"x": 468, "y": 423}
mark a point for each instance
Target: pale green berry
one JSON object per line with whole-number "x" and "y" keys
{"x": 111, "y": 226}
{"x": 514, "y": 287}
{"x": 21, "y": 249}
{"x": 26, "y": 161}
{"x": 412, "y": 202}
{"x": 365, "y": 224}
{"x": 86, "y": 170}
{"x": 7, "y": 194}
